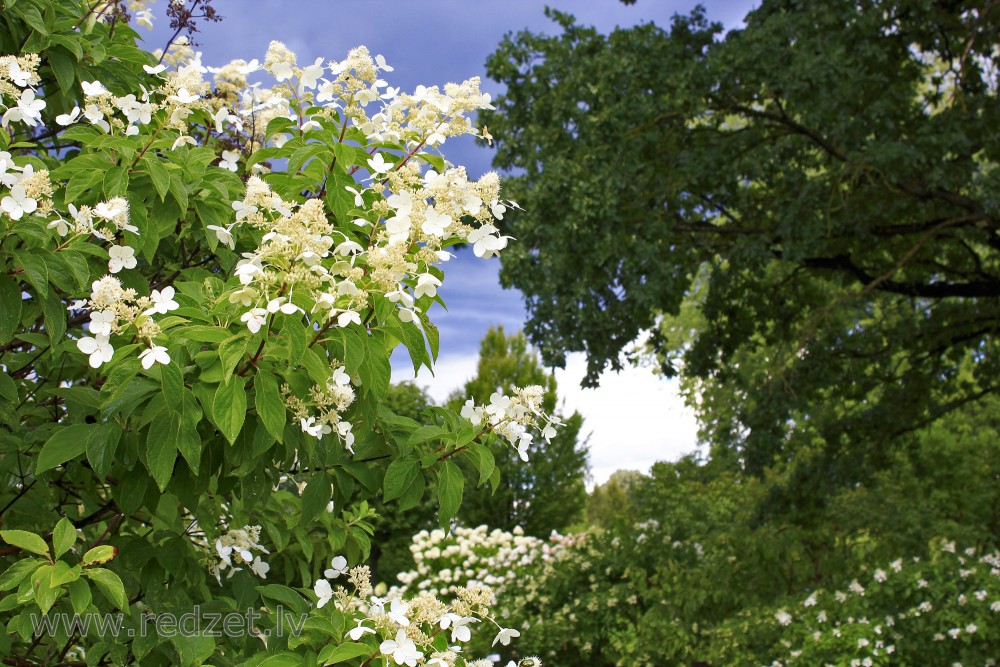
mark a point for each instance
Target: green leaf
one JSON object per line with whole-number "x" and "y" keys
{"x": 116, "y": 181}
{"x": 64, "y": 69}
{"x": 413, "y": 494}
{"x": 158, "y": 174}
{"x": 194, "y": 648}
{"x": 129, "y": 493}
{"x": 62, "y": 573}
{"x": 109, "y": 584}
{"x": 375, "y": 370}
{"x": 162, "y": 446}
{"x": 99, "y": 555}
{"x": 315, "y": 497}
{"x": 77, "y": 265}
{"x": 79, "y": 595}
{"x": 203, "y": 334}
{"x": 189, "y": 442}
{"x": 63, "y": 537}
{"x": 54, "y": 311}
{"x": 8, "y": 388}
{"x": 231, "y": 352}
{"x": 451, "y": 483}
{"x": 70, "y": 42}
{"x": 230, "y": 408}
{"x": 282, "y": 660}
{"x": 424, "y": 434}
{"x": 25, "y": 540}
{"x": 17, "y": 572}
{"x": 10, "y": 307}
{"x": 398, "y": 477}
{"x": 270, "y": 407}
{"x": 30, "y": 14}
{"x": 484, "y": 461}
{"x": 101, "y": 447}
{"x": 64, "y": 445}
{"x": 36, "y": 271}
{"x": 41, "y": 584}
{"x": 173, "y": 384}
{"x": 284, "y": 595}
{"x": 435, "y": 161}
{"x": 348, "y": 651}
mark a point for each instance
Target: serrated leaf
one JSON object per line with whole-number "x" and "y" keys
{"x": 413, "y": 494}
{"x": 229, "y": 407}
{"x": 54, "y": 312}
{"x": 10, "y": 307}
{"x": 158, "y": 174}
{"x": 315, "y": 497}
{"x": 101, "y": 446}
{"x": 282, "y": 660}
{"x": 36, "y": 271}
{"x": 161, "y": 448}
{"x": 79, "y": 595}
{"x": 17, "y": 572}
{"x": 203, "y": 334}
{"x": 451, "y": 483}
{"x": 348, "y": 651}
{"x": 270, "y": 407}
{"x": 398, "y": 477}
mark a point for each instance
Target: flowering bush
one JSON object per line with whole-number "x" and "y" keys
{"x": 942, "y": 610}
{"x": 447, "y": 563}
{"x": 472, "y": 557}
{"x": 203, "y": 280}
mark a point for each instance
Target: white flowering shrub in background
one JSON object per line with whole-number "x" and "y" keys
{"x": 205, "y": 271}
{"x": 472, "y": 557}
{"x": 942, "y": 610}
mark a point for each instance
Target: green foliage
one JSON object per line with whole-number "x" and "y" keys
{"x": 820, "y": 184}
{"x": 194, "y": 352}
{"x": 687, "y": 570}
{"x": 394, "y": 528}
{"x": 613, "y": 500}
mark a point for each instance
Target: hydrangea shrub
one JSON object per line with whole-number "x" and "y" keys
{"x": 204, "y": 273}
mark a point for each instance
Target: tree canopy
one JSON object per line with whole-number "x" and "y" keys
{"x": 819, "y": 185}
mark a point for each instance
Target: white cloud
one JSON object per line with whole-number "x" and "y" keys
{"x": 635, "y": 418}
{"x": 450, "y": 373}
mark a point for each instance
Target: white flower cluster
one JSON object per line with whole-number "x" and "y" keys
{"x": 30, "y": 190}
{"x": 447, "y": 562}
{"x": 513, "y": 416}
{"x": 18, "y": 78}
{"x": 302, "y": 262}
{"x": 113, "y": 309}
{"x": 239, "y": 544}
{"x": 329, "y": 401}
{"x": 407, "y": 627}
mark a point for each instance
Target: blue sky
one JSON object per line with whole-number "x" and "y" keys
{"x": 634, "y": 418}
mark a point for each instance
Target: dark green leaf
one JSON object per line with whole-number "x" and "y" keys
{"x": 230, "y": 407}
{"x": 65, "y": 445}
